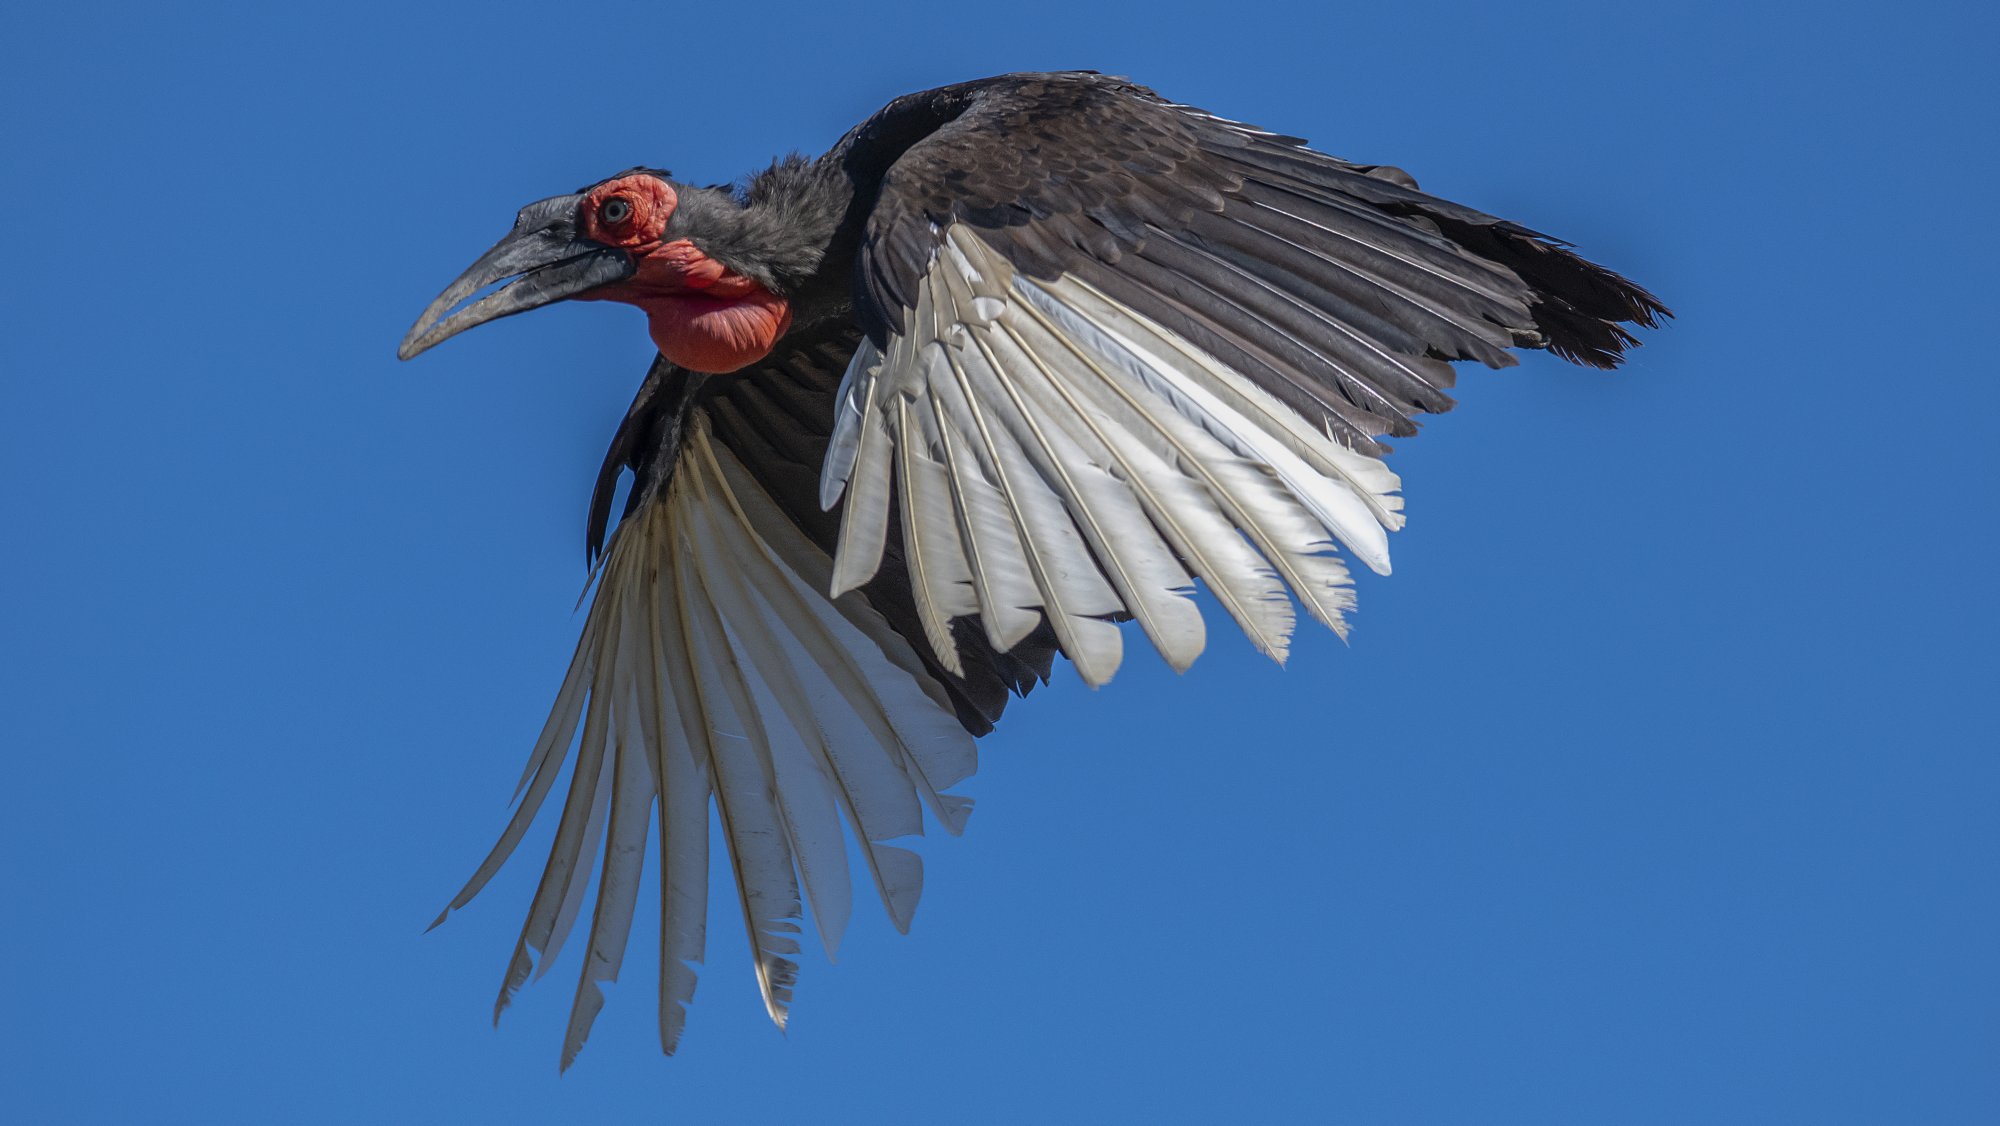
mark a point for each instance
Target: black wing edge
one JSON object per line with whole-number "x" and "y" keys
{"x": 1169, "y": 209}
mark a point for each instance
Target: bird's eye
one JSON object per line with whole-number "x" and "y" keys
{"x": 615, "y": 210}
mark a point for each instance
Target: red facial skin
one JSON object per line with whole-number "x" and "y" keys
{"x": 703, "y": 316}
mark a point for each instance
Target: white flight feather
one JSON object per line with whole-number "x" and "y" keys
{"x": 1004, "y": 584}
{"x": 864, "y": 524}
{"x": 800, "y": 557}
{"x": 873, "y": 668}
{"x": 969, "y": 287}
{"x": 680, "y": 745}
{"x": 1008, "y": 597}
{"x": 1139, "y": 565}
{"x": 962, "y": 299}
{"x": 1350, "y": 505}
{"x": 793, "y": 816}
{"x": 632, "y": 792}
{"x": 1290, "y": 539}
{"x": 849, "y": 413}
{"x": 855, "y": 745}
{"x": 547, "y": 767}
{"x": 760, "y": 852}
{"x": 1185, "y": 513}
{"x": 546, "y": 906}
{"x": 710, "y": 663}
{"x": 579, "y": 808}
{"x": 582, "y": 855}
{"x": 875, "y": 797}
{"x": 804, "y": 789}
{"x": 1371, "y": 480}
{"x": 1073, "y": 590}
{"x": 846, "y": 763}
{"x": 785, "y": 719}
{"x": 940, "y": 578}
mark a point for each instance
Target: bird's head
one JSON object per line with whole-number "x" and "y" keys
{"x": 638, "y": 238}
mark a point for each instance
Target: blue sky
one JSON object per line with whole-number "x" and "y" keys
{"x": 1657, "y": 786}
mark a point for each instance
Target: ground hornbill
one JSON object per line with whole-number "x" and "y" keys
{"x": 1015, "y": 362}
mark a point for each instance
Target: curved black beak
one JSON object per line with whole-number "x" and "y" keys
{"x": 548, "y": 260}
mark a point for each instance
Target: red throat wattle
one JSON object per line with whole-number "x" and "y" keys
{"x": 703, "y": 315}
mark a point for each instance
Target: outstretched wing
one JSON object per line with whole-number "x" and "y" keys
{"x": 1133, "y": 344}
{"x": 714, "y": 668}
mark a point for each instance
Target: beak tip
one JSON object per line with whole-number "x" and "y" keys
{"x": 422, "y": 337}
{"x": 547, "y": 263}
{"x": 412, "y": 346}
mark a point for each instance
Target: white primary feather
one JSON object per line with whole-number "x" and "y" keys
{"x": 568, "y": 709}
{"x": 1009, "y": 600}
{"x": 1140, "y": 566}
{"x": 864, "y": 524}
{"x": 844, "y": 759}
{"x": 1067, "y": 583}
{"x": 580, "y": 856}
{"x": 710, "y": 664}
{"x": 545, "y": 925}
{"x": 875, "y": 797}
{"x": 1153, "y": 352}
{"x": 679, "y": 742}
{"x": 1210, "y": 444}
{"x": 632, "y": 792}
{"x": 1074, "y": 592}
{"x": 876, "y": 672}
{"x": 955, "y": 305}
{"x": 753, "y": 826}
{"x": 1353, "y": 502}
{"x": 1186, "y": 514}
{"x": 784, "y": 721}
{"x": 1093, "y": 459}
{"x": 940, "y": 577}
{"x": 850, "y": 412}
{"x": 840, "y": 765}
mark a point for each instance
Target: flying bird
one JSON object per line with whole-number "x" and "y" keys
{"x": 1014, "y": 364}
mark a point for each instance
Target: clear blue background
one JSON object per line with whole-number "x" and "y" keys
{"x": 1658, "y": 785}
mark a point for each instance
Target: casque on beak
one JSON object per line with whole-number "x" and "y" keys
{"x": 548, "y": 260}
